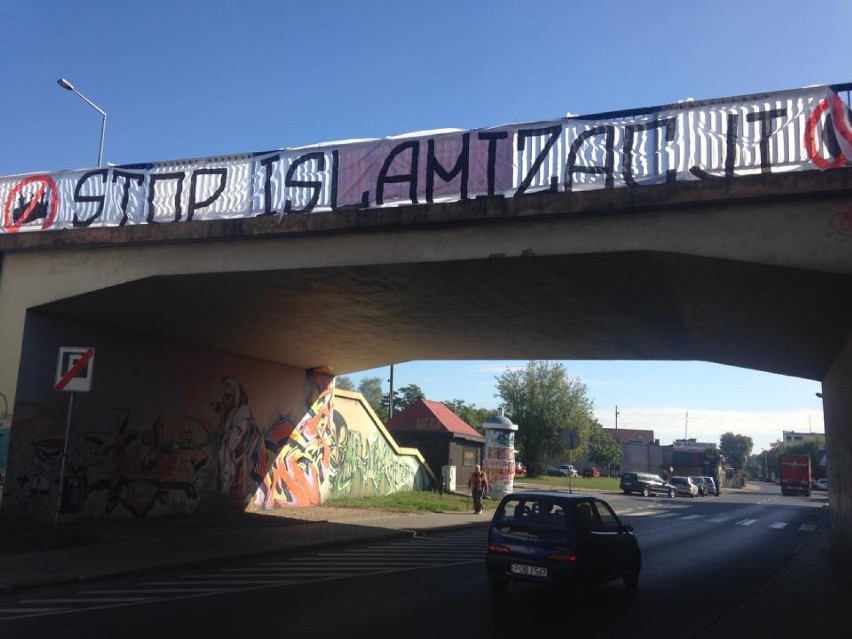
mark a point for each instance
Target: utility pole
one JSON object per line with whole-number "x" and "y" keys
{"x": 390, "y": 395}
{"x": 616, "y": 418}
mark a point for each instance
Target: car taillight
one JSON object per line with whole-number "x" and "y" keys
{"x": 498, "y": 548}
{"x": 566, "y": 556}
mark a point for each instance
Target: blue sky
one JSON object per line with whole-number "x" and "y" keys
{"x": 191, "y": 79}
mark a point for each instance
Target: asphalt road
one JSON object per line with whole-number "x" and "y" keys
{"x": 701, "y": 558}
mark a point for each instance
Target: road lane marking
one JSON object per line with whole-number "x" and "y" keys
{"x": 807, "y": 528}
{"x": 746, "y": 522}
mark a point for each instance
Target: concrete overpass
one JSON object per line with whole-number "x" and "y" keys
{"x": 753, "y": 272}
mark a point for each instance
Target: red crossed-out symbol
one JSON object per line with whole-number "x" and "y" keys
{"x": 75, "y": 369}
{"x": 45, "y": 183}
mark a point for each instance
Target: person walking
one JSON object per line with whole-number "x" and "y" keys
{"x": 478, "y": 485}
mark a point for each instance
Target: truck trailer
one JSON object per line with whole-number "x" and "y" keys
{"x": 795, "y": 474}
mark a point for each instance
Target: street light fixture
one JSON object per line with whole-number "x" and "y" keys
{"x": 67, "y": 85}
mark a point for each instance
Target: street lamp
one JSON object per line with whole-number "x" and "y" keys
{"x": 67, "y": 85}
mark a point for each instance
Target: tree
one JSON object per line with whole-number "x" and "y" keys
{"x": 408, "y": 395}
{"x": 402, "y": 399}
{"x": 371, "y": 389}
{"x": 736, "y": 449}
{"x": 603, "y": 449}
{"x": 712, "y": 461}
{"x": 475, "y": 417}
{"x": 344, "y": 383}
{"x": 545, "y": 403}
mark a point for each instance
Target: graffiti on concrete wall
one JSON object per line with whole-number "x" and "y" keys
{"x": 242, "y": 449}
{"x": 302, "y": 471}
{"x": 131, "y": 465}
{"x": 235, "y": 440}
{"x": 371, "y": 467}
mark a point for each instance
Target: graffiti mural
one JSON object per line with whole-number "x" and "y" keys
{"x": 131, "y": 466}
{"x": 242, "y": 448}
{"x": 218, "y": 432}
{"x": 302, "y": 471}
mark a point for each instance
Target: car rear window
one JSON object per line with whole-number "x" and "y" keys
{"x": 532, "y": 517}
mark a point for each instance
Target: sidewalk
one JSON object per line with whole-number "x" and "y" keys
{"x": 86, "y": 552}
{"x": 805, "y": 598}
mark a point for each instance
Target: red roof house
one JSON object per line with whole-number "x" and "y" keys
{"x": 441, "y": 436}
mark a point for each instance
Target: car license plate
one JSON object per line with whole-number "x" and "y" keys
{"x": 523, "y": 569}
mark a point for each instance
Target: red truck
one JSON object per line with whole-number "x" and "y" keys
{"x": 795, "y": 474}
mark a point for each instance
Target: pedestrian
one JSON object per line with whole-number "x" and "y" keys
{"x": 478, "y": 485}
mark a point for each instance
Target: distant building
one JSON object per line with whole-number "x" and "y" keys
{"x": 792, "y": 438}
{"x": 441, "y": 436}
{"x": 641, "y": 452}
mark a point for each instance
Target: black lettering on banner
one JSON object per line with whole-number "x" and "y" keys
{"x": 554, "y": 132}
{"x": 766, "y": 129}
{"x": 630, "y": 131}
{"x": 492, "y": 137}
{"x": 139, "y": 178}
{"x": 222, "y": 172}
{"x": 410, "y": 177}
{"x": 152, "y": 189}
{"x": 82, "y": 199}
{"x": 608, "y": 131}
{"x": 335, "y": 167}
{"x": 267, "y": 184}
{"x": 316, "y": 185}
{"x": 462, "y": 166}
{"x": 731, "y": 136}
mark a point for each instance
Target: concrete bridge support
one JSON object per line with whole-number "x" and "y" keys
{"x": 837, "y": 408}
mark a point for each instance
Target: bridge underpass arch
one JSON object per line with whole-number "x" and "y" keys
{"x": 306, "y": 299}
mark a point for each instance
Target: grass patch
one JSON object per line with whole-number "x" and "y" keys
{"x": 432, "y": 501}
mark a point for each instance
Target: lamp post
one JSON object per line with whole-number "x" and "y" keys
{"x": 67, "y": 85}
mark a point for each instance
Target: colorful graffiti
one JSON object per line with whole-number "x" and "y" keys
{"x": 303, "y": 469}
{"x": 140, "y": 464}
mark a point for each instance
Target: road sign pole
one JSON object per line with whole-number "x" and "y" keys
{"x": 62, "y": 464}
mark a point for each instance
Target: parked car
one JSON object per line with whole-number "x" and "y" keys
{"x": 559, "y": 537}
{"x": 520, "y": 470}
{"x": 701, "y": 483}
{"x": 821, "y": 484}
{"x": 684, "y": 486}
{"x": 712, "y": 486}
{"x": 563, "y": 470}
{"x": 590, "y": 471}
{"x": 646, "y": 484}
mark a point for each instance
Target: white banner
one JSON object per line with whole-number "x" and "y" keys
{"x": 787, "y": 131}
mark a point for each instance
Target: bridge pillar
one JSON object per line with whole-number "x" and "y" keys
{"x": 837, "y": 408}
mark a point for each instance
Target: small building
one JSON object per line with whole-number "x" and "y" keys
{"x": 792, "y": 438}
{"x": 441, "y": 436}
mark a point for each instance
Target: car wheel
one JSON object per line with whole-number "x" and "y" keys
{"x": 645, "y": 491}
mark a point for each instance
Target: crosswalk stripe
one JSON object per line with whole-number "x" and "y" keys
{"x": 778, "y": 525}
